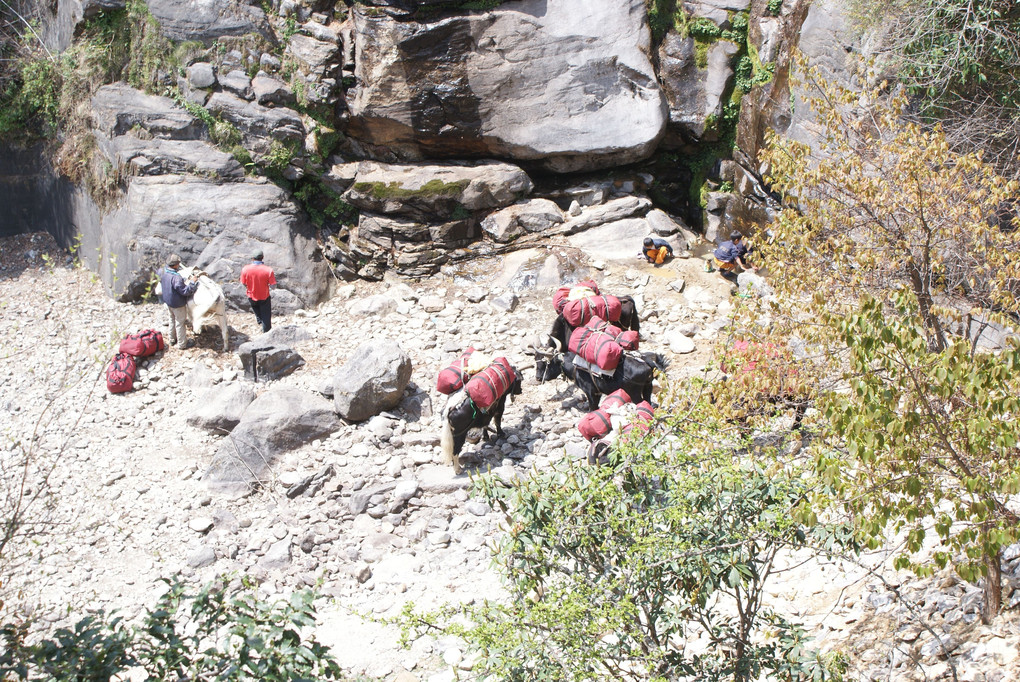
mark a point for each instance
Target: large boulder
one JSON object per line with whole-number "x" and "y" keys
{"x": 534, "y": 215}
{"x": 207, "y": 20}
{"x": 436, "y": 192}
{"x": 567, "y": 83}
{"x": 260, "y": 126}
{"x": 119, "y": 108}
{"x": 266, "y": 361}
{"x": 220, "y": 408}
{"x": 695, "y": 90}
{"x": 371, "y": 381}
{"x": 131, "y": 155}
{"x": 279, "y": 420}
{"x": 211, "y": 224}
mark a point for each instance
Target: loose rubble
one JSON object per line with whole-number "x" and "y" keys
{"x": 363, "y": 509}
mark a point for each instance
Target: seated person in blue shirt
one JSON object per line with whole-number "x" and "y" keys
{"x": 656, "y": 250}
{"x": 731, "y": 254}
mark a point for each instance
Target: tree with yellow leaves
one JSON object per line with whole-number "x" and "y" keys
{"x": 887, "y": 257}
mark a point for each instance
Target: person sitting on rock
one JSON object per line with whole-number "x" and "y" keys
{"x": 656, "y": 251}
{"x": 731, "y": 254}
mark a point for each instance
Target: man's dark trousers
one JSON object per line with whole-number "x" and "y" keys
{"x": 263, "y": 313}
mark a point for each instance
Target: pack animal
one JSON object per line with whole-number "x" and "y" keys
{"x": 634, "y": 374}
{"x": 208, "y": 306}
{"x": 461, "y": 415}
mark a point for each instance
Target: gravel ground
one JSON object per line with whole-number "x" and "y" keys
{"x": 126, "y": 506}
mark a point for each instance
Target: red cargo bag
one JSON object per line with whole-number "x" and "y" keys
{"x": 595, "y": 425}
{"x": 120, "y": 373}
{"x": 144, "y": 343}
{"x": 578, "y": 312}
{"x": 453, "y": 377}
{"x": 489, "y": 385}
{"x": 628, "y": 340}
{"x": 597, "y": 348}
{"x": 615, "y": 399}
{"x": 562, "y": 294}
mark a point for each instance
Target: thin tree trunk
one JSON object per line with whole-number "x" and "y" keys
{"x": 993, "y": 589}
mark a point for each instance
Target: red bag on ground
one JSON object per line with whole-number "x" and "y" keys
{"x": 144, "y": 343}
{"x": 628, "y": 340}
{"x": 595, "y": 347}
{"x": 562, "y": 294}
{"x": 453, "y": 377}
{"x": 594, "y": 425}
{"x": 489, "y": 385}
{"x": 120, "y": 373}
{"x": 578, "y": 312}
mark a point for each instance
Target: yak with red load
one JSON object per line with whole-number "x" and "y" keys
{"x": 480, "y": 402}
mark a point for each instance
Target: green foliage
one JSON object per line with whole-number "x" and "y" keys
{"x": 774, "y": 7}
{"x": 613, "y": 571}
{"x": 664, "y": 16}
{"x": 961, "y": 60}
{"x": 931, "y": 438}
{"x": 32, "y": 101}
{"x": 323, "y": 205}
{"x": 394, "y": 190}
{"x": 223, "y": 631}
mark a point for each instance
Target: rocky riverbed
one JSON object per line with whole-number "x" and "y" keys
{"x": 368, "y": 512}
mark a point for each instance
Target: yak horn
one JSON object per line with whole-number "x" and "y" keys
{"x": 556, "y": 342}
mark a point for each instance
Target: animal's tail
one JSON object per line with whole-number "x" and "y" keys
{"x": 446, "y": 433}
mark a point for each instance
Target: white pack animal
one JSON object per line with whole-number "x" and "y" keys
{"x": 207, "y": 305}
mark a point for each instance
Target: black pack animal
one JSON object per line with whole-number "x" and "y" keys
{"x": 634, "y": 374}
{"x": 461, "y": 415}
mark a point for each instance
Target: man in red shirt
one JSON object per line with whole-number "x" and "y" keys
{"x": 256, "y": 278}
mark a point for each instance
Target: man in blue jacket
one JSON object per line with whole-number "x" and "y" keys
{"x": 176, "y": 293}
{"x": 730, "y": 254}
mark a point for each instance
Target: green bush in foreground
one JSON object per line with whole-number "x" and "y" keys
{"x": 221, "y": 632}
{"x": 650, "y": 567}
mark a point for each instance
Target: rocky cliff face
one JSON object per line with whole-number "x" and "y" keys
{"x": 352, "y": 136}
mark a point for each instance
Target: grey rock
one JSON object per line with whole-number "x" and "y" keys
{"x": 612, "y": 211}
{"x": 372, "y": 380}
{"x": 119, "y": 108}
{"x": 237, "y": 82}
{"x": 315, "y": 57}
{"x": 534, "y": 215}
{"x": 458, "y": 100}
{"x": 220, "y": 408}
{"x": 201, "y": 75}
{"x": 278, "y": 556}
{"x": 269, "y": 90}
{"x": 134, "y": 156}
{"x": 212, "y": 225}
{"x": 506, "y": 302}
{"x": 265, "y": 361}
{"x": 435, "y": 192}
{"x": 359, "y": 500}
{"x": 201, "y": 524}
{"x": 260, "y": 126}
{"x": 405, "y": 490}
{"x": 695, "y": 93}
{"x": 202, "y": 557}
{"x": 371, "y": 306}
{"x": 207, "y": 20}
{"x": 278, "y": 421}
{"x": 285, "y": 335}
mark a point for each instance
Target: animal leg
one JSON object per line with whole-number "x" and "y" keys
{"x": 222, "y": 314}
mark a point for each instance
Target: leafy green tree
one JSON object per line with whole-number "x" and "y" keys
{"x": 961, "y": 61}
{"x": 932, "y": 441}
{"x": 881, "y": 202}
{"x": 224, "y": 631}
{"x": 889, "y": 262}
{"x": 652, "y": 566}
